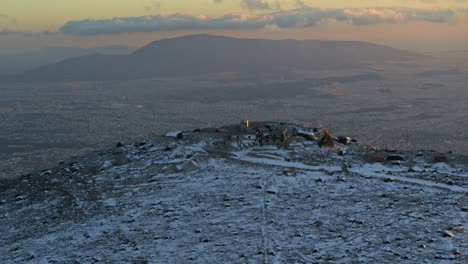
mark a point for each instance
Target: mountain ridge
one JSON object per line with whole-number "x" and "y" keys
{"x": 20, "y": 62}
{"x": 209, "y": 54}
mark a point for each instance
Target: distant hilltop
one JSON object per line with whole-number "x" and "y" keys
{"x": 207, "y": 54}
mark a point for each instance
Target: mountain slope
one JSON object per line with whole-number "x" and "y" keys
{"x": 16, "y": 63}
{"x": 205, "y": 54}
{"x": 197, "y": 200}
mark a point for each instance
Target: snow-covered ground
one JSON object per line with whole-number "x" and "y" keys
{"x": 190, "y": 201}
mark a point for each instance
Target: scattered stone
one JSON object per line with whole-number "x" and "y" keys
{"x": 272, "y": 190}
{"x": 119, "y": 145}
{"x": 290, "y": 172}
{"x": 341, "y": 179}
{"x": 423, "y": 246}
{"x": 447, "y": 233}
{"x": 457, "y": 252}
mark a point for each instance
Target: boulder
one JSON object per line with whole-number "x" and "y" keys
{"x": 272, "y": 190}
{"x": 447, "y": 233}
{"x": 344, "y": 140}
{"x": 327, "y": 140}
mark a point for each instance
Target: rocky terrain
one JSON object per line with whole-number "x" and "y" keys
{"x": 197, "y": 197}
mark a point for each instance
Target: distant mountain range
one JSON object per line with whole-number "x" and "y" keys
{"x": 207, "y": 54}
{"x": 15, "y": 63}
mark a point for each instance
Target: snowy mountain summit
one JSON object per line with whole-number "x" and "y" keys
{"x": 257, "y": 192}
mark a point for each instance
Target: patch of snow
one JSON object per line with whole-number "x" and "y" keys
{"x": 173, "y": 133}
{"x": 243, "y": 155}
{"x": 376, "y": 170}
{"x": 107, "y": 164}
{"x": 110, "y": 202}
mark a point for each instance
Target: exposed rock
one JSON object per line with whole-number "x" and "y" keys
{"x": 344, "y": 140}
{"x": 272, "y": 190}
{"x": 107, "y": 164}
{"x": 447, "y": 233}
{"x": 191, "y": 166}
{"x": 290, "y": 172}
{"x": 327, "y": 140}
{"x": 171, "y": 169}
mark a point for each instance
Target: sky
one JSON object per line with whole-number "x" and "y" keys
{"x": 421, "y": 25}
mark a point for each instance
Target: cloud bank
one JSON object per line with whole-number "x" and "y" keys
{"x": 299, "y": 18}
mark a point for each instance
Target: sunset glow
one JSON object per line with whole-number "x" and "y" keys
{"x": 54, "y": 22}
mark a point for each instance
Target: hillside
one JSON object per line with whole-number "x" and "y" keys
{"x": 16, "y": 63}
{"x": 204, "y": 195}
{"x": 205, "y": 54}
